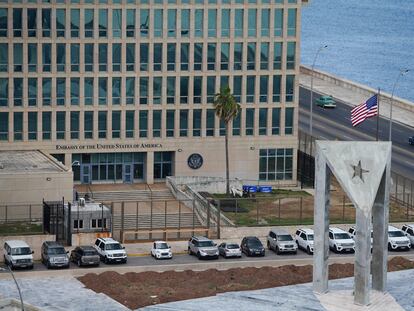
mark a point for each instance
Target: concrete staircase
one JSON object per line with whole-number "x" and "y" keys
{"x": 130, "y": 195}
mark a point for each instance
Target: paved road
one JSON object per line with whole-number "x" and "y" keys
{"x": 336, "y": 124}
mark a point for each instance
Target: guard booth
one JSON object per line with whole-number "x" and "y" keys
{"x": 89, "y": 217}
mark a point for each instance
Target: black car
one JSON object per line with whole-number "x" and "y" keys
{"x": 252, "y": 246}
{"x": 85, "y": 256}
{"x": 411, "y": 140}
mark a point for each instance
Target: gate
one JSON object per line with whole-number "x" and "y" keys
{"x": 57, "y": 221}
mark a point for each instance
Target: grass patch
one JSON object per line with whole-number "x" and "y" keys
{"x": 20, "y": 228}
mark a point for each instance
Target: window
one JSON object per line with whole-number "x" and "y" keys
{"x": 264, "y": 56}
{"x": 74, "y": 124}
{"x": 32, "y": 91}
{"x": 60, "y": 124}
{"x": 238, "y": 56}
{"x": 46, "y": 22}
{"x": 89, "y": 21}
{"x": 144, "y": 22}
{"x": 251, "y": 56}
{"x": 116, "y": 124}
{"x": 277, "y": 79}
{"x": 47, "y": 91}
{"x": 116, "y": 56}
{"x": 212, "y": 23}
{"x": 237, "y": 88}
{"x": 103, "y": 22}
{"x": 250, "y": 88}
{"x": 172, "y": 23}
{"x": 74, "y": 91}
{"x": 291, "y": 25}
{"x": 162, "y": 164}
{"x": 17, "y": 22}
{"x": 170, "y": 123}
{"x": 46, "y": 57}
{"x": 211, "y": 89}
{"x": 102, "y": 91}
{"x": 158, "y": 23}
{"x": 170, "y": 90}
{"x": 263, "y": 121}
{"x": 4, "y": 125}
{"x": 60, "y": 91}
{"x": 116, "y": 90}
{"x": 74, "y": 57}
{"x": 184, "y": 53}
{"x": 198, "y": 56}
{"x": 4, "y": 92}
{"x": 225, "y": 23}
{"x": 264, "y": 87}
{"x": 3, "y": 22}
{"x": 130, "y": 23}
{"x": 197, "y": 89}
{"x": 250, "y": 121}
{"x": 18, "y": 126}
{"x": 129, "y": 123}
{"x": 156, "y": 90}
{"x": 99, "y": 223}
{"x": 103, "y": 56}
{"x": 290, "y": 87}
{"x": 171, "y": 56}
{"x": 277, "y": 55}
{"x": 225, "y": 53}
{"x": 289, "y": 121}
{"x": 74, "y": 23}
{"x": 211, "y": 56}
{"x": 88, "y": 124}
{"x": 102, "y": 126}
{"x": 143, "y": 56}
{"x": 143, "y": 90}
{"x": 198, "y": 23}
{"x": 143, "y": 123}
{"x": 116, "y": 23}
{"x": 197, "y": 122}
{"x": 130, "y": 56}
{"x": 183, "y": 123}
{"x": 78, "y": 224}
{"x": 183, "y": 90}
{"x": 89, "y": 52}
{"x": 185, "y": 23}
{"x": 4, "y": 57}
{"x": 18, "y": 57}
{"x": 130, "y": 90}
{"x": 265, "y": 27}
{"x": 88, "y": 91}
{"x": 290, "y": 55}
{"x": 252, "y": 23}
{"x": 210, "y": 122}
{"x": 157, "y": 56}
{"x": 156, "y": 123}
{"x": 237, "y": 125}
{"x": 278, "y": 23}
{"x": 32, "y": 125}
{"x": 61, "y": 57}
{"x": 275, "y": 164}
{"x": 31, "y": 22}
{"x": 238, "y": 23}
{"x": 60, "y": 22}
{"x": 18, "y": 91}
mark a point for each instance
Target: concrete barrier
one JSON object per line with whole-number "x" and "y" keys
{"x": 357, "y": 88}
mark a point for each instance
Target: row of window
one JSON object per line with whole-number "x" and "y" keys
{"x": 275, "y": 164}
{"x": 149, "y": 1}
{"x": 156, "y": 90}
{"x": 177, "y": 124}
{"x": 75, "y": 57}
{"x": 155, "y": 23}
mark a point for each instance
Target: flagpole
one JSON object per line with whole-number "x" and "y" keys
{"x": 378, "y": 113}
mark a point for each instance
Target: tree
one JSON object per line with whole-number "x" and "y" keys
{"x": 226, "y": 109}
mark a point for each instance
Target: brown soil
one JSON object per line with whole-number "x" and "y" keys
{"x": 136, "y": 290}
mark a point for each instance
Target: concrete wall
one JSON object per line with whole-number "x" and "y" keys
{"x": 34, "y": 241}
{"x": 358, "y": 88}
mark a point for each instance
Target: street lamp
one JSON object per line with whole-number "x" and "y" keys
{"x": 7, "y": 269}
{"x": 311, "y": 91}
{"x": 400, "y": 74}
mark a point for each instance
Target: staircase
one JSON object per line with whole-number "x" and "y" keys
{"x": 130, "y": 195}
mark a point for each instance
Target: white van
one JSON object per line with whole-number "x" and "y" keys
{"x": 17, "y": 254}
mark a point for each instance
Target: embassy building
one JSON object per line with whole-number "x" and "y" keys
{"x": 123, "y": 90}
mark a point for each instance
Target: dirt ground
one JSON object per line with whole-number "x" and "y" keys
{"x": 136, "y": 290}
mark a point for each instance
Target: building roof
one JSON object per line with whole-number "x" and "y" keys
{"x": 18, "y": 162}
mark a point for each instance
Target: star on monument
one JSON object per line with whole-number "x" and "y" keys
{"x": 358, "y": 171}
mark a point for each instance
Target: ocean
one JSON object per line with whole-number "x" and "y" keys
{"x": 369, "y": 41}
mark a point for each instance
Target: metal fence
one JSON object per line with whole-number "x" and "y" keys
{"x": 17, "y": 219}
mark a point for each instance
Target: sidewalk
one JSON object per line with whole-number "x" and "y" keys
{"x": 354, "y": 98}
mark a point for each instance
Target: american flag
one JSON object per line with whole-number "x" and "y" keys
{"x": 365, "y": 110}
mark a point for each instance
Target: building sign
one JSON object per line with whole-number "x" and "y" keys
{"x": 108, "y": 146}
{"x": 195, "y": 161}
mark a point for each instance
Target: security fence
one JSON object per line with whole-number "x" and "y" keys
{"x": 17, "y": 219}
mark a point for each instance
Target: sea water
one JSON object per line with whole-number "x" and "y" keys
{"x": 369, "y": 41}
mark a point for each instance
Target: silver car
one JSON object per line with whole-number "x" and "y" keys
{"x": 281, "y": 241}
{"x": 202, "y": 247}
{"x": 229, "y": 250}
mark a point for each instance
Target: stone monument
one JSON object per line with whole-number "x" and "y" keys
{"x": 363, "y": 171}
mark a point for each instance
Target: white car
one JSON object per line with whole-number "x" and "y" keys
{"x": 17, "y": 254}
{"x": 160, "y": 250}
{"x": 352, "y": 233}
{"x": 110, "y": 250}
{"x": 408, "y": 230}
{"x": 304, "y": 239}
{"x": 340, "y": 240}
{"x": 397, "y": 239}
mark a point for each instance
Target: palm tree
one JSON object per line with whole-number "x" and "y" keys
{"x": 226, "y": 109}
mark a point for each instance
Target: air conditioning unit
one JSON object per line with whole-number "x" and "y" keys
{"x": 81, "y": 202}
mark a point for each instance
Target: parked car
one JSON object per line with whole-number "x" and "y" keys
{"x": 397, "y": 239}
{"x": 202, "y": 247}
{"x": 85, "y": 256}
{"x": 54, "y": 255}
{"x": 229, "y": 250}
{"x": 17, "y": 254}
{"x": 408, "y": 230}
{"x": 110, "y": 250}
{"x": 340, "y": 240}
{"x": 160, "y": 250}
{"x": 281, "y": 241}
{"x": 326, "y": 102}
{"x": 304, "y": 239}
{"x": 352, "y": 233}
{"x": 252, "y": 246}
{"x": 411, "y": 140}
